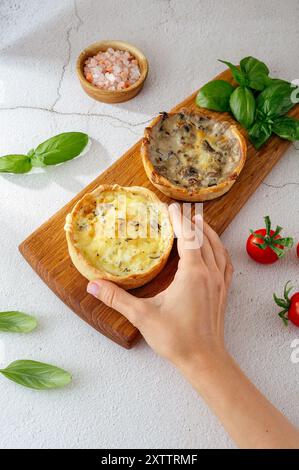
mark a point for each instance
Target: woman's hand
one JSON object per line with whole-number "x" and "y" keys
{"x": 185, "y": 324}
{"x": 186, "y": 319}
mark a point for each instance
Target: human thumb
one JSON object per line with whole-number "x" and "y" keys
{"x": 117, "y": 298}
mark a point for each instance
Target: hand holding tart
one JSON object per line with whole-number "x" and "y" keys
{"x": 122, "y": 234}
{"x": 192, "y": 156}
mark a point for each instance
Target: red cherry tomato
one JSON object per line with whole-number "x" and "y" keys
{"x": 298, "y": 250}
{"x": 293, "y": 313}
{"x": 262, "y": 246}
{"x": 289, "y": 306}
{"x": 266, "y": 256}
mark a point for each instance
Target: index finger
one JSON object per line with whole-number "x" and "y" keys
{"x": 220, "y": 253}
{"x": 189, "y": 236}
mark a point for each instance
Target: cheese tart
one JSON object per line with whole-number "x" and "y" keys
{"x": 192, "y": 156}
{"x": 122, "y": 234}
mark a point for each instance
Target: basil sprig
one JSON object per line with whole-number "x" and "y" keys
{"x": 271, "y": 105}
{"x": 252, "y": 73}
{"x": 57, "y": 149}
{"x": 17, "y": 322}
{"x": 275, "y": 100}
{"x": 259, "y": 133}
{"x": 259, "y": 103}
{"x": 36, "y": 375}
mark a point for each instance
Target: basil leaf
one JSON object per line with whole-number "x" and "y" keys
{"x": 275, "y": 100}
{"x": 273, "y": 81}
{"x": 60, "y": 148}
{"x": 17, "y": 322}
{"x": 15, "y": 164}
{"x": 242, "y": 105}
{"x": 259, "y": 82}
{"x": 236, "y": 73}
{"x": 287, "y": 128}
{"x": 251, "y": 66}
{"x": 259, "y": 133}
{"x": 256, "y": 73}
{"x": 215, "y": 95}
{"x": 36, "y": 375}
{"x": 252, "y": 73}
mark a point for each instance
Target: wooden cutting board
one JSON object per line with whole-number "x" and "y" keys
{"x": 46, "y": 249}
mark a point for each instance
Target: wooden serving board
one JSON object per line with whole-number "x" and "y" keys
{"x": 46, "y": 249}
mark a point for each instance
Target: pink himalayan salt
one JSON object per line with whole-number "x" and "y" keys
{"x": 112, "y": 70}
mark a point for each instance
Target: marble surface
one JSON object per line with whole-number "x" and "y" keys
{"x": 122, "y": 398}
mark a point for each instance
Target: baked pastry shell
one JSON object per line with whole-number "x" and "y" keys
{"x": 179, "y": 192}
{"x": 91, "y": 272}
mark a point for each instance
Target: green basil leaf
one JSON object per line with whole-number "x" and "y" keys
{"x": 250, "y": 65}
{"x": 215, "y": 95}
{"x": 236, "y": 72}
{"x": 252, "y": 73}
{"x": 242, "y": 105}
{"x": 287, "y": 128}
{"x": 15, "y": 164}
{"x": 256, "y": 73}
{"x": 60, "y": 148}
{"x": 275, "y": 100}
{"x": 17, "y": 322}
{"x": 259, "y": 133}
{"x": 273, "y": 81}
{"x": 36, "y": 375}
{"x": 259, "y": 82}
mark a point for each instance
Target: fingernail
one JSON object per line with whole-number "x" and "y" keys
{"x": 93, "y": 288}
{"x": 174, "y": 205}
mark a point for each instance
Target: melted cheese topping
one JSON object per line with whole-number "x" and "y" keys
{"x": 122, "y": 233}
{"x": 193, "y": 150}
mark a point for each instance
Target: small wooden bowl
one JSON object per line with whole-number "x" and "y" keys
{"x": 116, "y": 96}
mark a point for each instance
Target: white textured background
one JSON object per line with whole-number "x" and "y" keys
{"x": 131, "y": 398}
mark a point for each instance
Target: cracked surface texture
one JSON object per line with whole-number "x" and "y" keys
{"x": 132, "y": 398}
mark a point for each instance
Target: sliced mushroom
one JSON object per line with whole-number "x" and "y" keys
{"x": 188, "y": 172}
{"x": 207, "y": 146}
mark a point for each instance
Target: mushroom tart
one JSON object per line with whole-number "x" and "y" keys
{"x": 192, "y": 156}
{"x": 122, "y": 234}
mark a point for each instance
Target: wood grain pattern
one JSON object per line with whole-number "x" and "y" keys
{"x": 46, "y": 249}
